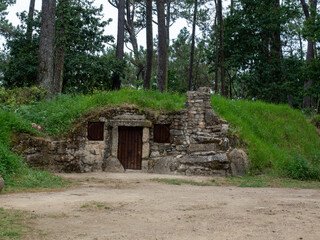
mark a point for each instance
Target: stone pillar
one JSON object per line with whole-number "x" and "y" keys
{"x": 198, "y": 103}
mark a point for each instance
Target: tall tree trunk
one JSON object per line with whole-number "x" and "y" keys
{"x": 276, "y": 51}
{"x": 147, "y": 77}
{"x": 231, "y": 7}
{"x": 30, "y": 19}
{"x": 222, "y": 78}
{"x": 309, "y": 14}
{"x": 45, "y": 75}
{"x": 216, "y": 82}
{"x": 168, "y": 16}
{"x": 60, "y": 47}
{"x": 162, "y": 47}
{"x": 129, "y": 23}
{"x": 116, "y": 84}
{"x": 192, "y": 43}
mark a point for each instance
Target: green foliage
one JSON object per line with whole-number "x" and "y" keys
{"x": 33, "y": 179}
{"x": 57, "y": 116}
{"x": 12, "y": 167}
{"x": 179, "y": 63}
{"x": 85, "y": 67}
{"x": 255, "y": 66}
{"x": 315, "y": 120}
{"x": 20, "y": 67}
{"x": 5, "y": 26}
{"x": 10, "y": 123}
{"x": 278, "y": 138}
{"x": 21, "y": 96}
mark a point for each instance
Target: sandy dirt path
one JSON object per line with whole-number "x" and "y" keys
{"x": 131, "y": 206}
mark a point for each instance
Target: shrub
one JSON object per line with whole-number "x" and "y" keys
{"x": 21, "y": 96}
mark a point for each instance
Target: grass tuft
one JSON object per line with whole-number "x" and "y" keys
{"x": 180, "y": 181}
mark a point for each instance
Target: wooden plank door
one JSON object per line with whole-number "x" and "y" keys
{"x": 130, "y": 147}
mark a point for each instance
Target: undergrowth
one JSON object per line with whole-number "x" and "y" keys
{"x": 278, "y": 138}
{"x": 16, "y": 173}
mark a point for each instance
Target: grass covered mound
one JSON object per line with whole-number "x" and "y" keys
{"x": 278, "y": 138}
{"x": 57, "y": 116}
{"x": 17, "y": 175}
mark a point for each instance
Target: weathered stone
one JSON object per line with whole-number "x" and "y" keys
{"x": 211, "y": 118}
{"x": 201, "y": 147}
{"x": 223, "y": 145}
{"x": 176, "y": 132}
{"x": 239, "y": 162}
{"x": 145, "y": 135}
{"x": 220, "y": 157}
{"x": 198, "y": 139}
{"x": 155, "y": 154}
{"x": 206, "y": 139}
{"x": 113, "y": 164}
{"x": 224, "y": 128}
{"x": 129, "y": 117}
{"x": 114, "y": 147}
{"x": 164, "y": 165}
{"x": 203, "y": 153}
{"x": 145, "y": 150}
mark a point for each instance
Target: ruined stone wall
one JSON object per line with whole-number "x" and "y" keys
{"x": 198, "y": 142}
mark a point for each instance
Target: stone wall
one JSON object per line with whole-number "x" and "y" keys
{"x": 198, "y": 142}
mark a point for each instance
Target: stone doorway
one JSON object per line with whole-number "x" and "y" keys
{"x": 130, "y": 147}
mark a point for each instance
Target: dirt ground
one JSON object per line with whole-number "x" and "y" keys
{"x": 131, "y": 206}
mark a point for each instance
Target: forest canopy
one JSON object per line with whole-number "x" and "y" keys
{"x": 245, "y": 49}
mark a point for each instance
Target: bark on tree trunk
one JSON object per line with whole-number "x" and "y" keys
{"x": 192, "y": 43}
{"x": 129, "y": 23}
{"x": 168, "y": 16}
{"x": 217, "y": 51}
{"x": 30, "y": 19}
{"x": 147, "y": 78}
{"x": 162, "y": 47}
{"x": 220, "y": 20}
{"x": 116, "y": 84}
{"x": 309, "y": 13}
{"x": 45, "y": 75}
{"x": 60, "y": 48}
{"x": 276, "y": 50}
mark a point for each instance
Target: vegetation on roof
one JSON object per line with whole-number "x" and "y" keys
{"x": 279, "y": 140}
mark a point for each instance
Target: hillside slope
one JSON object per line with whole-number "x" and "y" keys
{"x": 279, "y": 140}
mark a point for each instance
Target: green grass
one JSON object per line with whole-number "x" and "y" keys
{"x": 279, "y": 139}
{"x": 58, "y": 115}
{"x": 14, "y": 224}
{"x": 260, "y": 181}
{"x": 15, "y": 172}
{"x": 28, "y": 179}
{"x": 180, "y": 181}
{"x": 93, "y": 205}
{"x": 266, "y": 181}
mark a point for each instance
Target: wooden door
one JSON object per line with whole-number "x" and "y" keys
{"x": 130, "y": 147}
